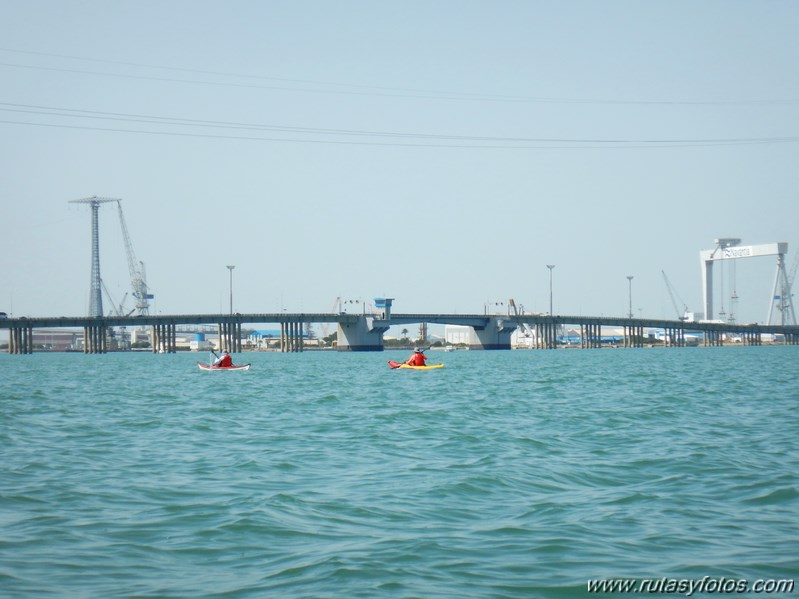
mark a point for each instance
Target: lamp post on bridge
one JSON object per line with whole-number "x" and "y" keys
{"x": 230, "y": 267}
{"x": 630, "y": 294}
{"x": 550, "y": 267}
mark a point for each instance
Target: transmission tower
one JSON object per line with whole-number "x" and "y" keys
{"x": 95, "y": 289}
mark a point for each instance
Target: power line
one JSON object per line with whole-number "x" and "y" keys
{"x": 629, "y": 145}
{"x": 475, "y": 140}
{"x": 385, "y": 91}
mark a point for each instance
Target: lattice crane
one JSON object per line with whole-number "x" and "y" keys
{"x": 138, "y": 279}
{"x": 681, "y": 315}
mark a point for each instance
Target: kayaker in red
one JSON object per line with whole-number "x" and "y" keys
{"x": 417, "y": 359}
{"x": 224, "y": 361}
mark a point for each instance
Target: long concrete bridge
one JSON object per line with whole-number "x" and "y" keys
{"x": 364, "y": 332}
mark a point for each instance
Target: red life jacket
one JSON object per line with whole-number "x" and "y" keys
{"x": 417, "y": 359}
{"x": 226, "y": 361}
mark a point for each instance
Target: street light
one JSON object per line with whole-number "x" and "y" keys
{"x": 550, "y": 267}
{"x": 230, "y": 267}
{"x": 630, "y": 291}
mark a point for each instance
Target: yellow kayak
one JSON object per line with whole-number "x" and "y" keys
{"x": 402, "y": 365}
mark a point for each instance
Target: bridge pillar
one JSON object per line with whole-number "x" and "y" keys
{"x": 633, "y": 335}
{"x": 291, "y": 337}
{"x": 496, "y": 334}
{"x": 20, "y": 340}
{"x": 590, "y": 336}
{"x": 229, "y": 334}
{"x": 548, "y": 335}
{"x": 714, "y": 339}
{"x": 95, "y": 339}
{"x": 365, "y": 334}
{"x": 164, "y": 338}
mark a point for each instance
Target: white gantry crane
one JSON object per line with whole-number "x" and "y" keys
{"x": 729, "y": 248}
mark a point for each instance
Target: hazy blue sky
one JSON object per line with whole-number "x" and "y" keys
{"x": 441, "y": 153}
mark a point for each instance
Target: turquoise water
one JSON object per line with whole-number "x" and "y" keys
{"x": 504, "y": 474}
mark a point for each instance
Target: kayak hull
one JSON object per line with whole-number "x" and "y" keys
{"x": 204, "y": 366}
{"x": 409, "y": 367}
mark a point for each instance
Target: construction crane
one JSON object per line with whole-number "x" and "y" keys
{"x": 116, "y": 309}
{"x": 137, "y": 275}
{"x": 138, "y": 279}
{"x": 681, "y": 315}
{"x": 336, "y": 309}
{"x": 526, "y": 329}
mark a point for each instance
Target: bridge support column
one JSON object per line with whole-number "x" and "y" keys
{"x": 592, "y": 334}
{"x": 95, "y": 339}
{"x": 229, "y": 336}
{"x": 750, "y": 338}
{"x": 20, "y": 340}
{"x": 674, "y": 337}
{"x": 713, "y": 339}
{"x": 545, "y": 336}
{"x": 497, "y": 333}
{"x": 365, "y": 334}
{"x": 164, "y": 338}
{"x": 291, "y": 337}
{"x": 551, "y": 335}
{"x": 633, "y": 336}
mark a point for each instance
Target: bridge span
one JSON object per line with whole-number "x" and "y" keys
{"x": 364, "y": 332}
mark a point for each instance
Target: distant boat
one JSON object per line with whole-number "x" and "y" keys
{"x": 449, "y": 348}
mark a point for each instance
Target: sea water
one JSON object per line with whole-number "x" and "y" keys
{"x": 321, "y": 474}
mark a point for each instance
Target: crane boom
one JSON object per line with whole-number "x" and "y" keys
{"x": 137, "y": 275}
{"x": 681, "y": 315}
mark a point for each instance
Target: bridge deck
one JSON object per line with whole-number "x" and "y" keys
{"x": 475, "y": 320}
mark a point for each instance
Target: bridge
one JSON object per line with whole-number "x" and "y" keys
{"x": 364, "y": 332}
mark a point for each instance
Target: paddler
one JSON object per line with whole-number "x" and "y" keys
{"x": 417, "y": 359}
{"x": 224, "y": 361}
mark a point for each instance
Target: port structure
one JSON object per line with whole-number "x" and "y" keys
{"x": 136, "y": 268}
{"x": 96, "y": 284}
{"x": 138, "y": 280}
{"x": 730, "y": 248}
{"x": 683, "y": 314}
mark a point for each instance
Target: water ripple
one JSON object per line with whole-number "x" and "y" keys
{"x": 505, "y": 474}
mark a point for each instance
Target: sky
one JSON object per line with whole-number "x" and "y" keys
{"x": 439, "y": 153}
